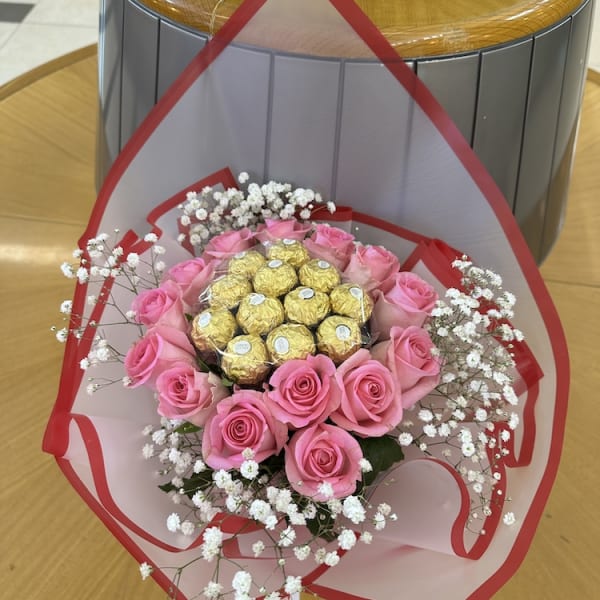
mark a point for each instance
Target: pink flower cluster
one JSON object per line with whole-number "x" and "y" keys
{"x": 312, "y": 409}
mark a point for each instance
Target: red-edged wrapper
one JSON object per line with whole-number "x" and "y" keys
{"x": 412, "y": 180}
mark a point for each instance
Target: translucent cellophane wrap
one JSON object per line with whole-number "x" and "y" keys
{"x": 364, "y": 132}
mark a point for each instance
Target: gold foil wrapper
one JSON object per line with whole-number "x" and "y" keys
{"x": 258, "y": 314}
{"x": 212, "y": 329}
{"x": 227, "y": 291}
{"x": 275, "y": 278}
{"x": 290, "y": 251}
{"x": 307, "y": 306}
{"x": 245, "y": 360}
{"x": 319, "y": 275}
{"x": 246, "y": 263}
{"x": 290, "y": 341}
{"x": 350, "y": 300}
{"x": 339, "y": 337}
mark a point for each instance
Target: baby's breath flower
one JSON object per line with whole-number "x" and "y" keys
{"x": 249, "y": 469}
{"x": 353, "y": 509}
{"x": 62, "y": 335}
{"x": 366, "y": 537}
{"x": 346, "y": 539}
{"x": 293, "y": 585}
{"x": 302, "y": 552}
{"x": 325, "y": 489}
{"x": 242, "y": 582}
{"x": 188, "y": 528}
{"x": 173, "y": 522}
{"x": 405, "y": 439}
{"x": 148, "y": 451}
{"x": 365, "y": 465}
{"x": 145, "y": 570}
{"x": 509, "y": 518}
{"x": 212, "y": 590}
{"x": 258, "y": 548}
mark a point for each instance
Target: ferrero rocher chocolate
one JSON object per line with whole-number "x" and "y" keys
{"x": 319, "y": 275}
{"x": 290, "y": 251}
{"x": 258, "y": 314}
{"x": 275, "y": 278}
{"x": 305, "y": 305}
{"x": 212, "y": 329}
{"x": 246, "y": 263}
{"x": 290, "y": 341}
{"x": 245, "y": 360}
{"x": 227, "y": 291}
{"x": 351, "y": 300}
{"x": 339, "y": 337}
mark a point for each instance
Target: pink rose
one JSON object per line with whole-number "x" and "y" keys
{"x": 192, "y": 276}
{"x": 186, "y": 393}
{"x": 161, "y": 306}
{"x": 372, "y": 267}
{"x": 275, "y": 229}
{"x": 371, "y": 405}
{"x": 159, "y": 349}
{"x": 229, "y": 242}
{"x": 409, "y": 302}
{"x": 408, "y": 355}
{"x": 304, "y": 391}
{"x": 331, "y": 244}
{"x": 319, "y": 454}
{"x": 238, "y": 422}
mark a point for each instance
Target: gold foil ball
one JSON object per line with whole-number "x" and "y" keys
{"x": 307, "y": 306}
{"x": 258, "y": 314}
{"x": 339, "y": 337}
{"x": 290, "y": 251}
{"x": 212, "y": 329}
{"x": 290, "y": 341}
{"x": 245, "y": 360}
{"x": 227, "y": 291}
{"x": 319, "y": 275}
{"x": 246, "y": 263}
{"x": 350, "y": 300}
{"x": 275, "y": 278}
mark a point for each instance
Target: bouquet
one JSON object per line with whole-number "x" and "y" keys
{"x": 258, "y": 467}
{"x": 292, "y": 366}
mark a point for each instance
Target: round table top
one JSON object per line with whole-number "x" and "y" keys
{"x": 416, "y": 28}
{"x": 53, "y": 546}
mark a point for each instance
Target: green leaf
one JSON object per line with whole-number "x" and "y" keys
{"x": 323, "y": 524}
{"x": 382, "y": 452}
{"x": 202, "y": 365}
{"x": 167, "y": 487}
{"x": 187, "y": 428}
{"x": 226, "y": 382}
{"x": 198, "y": 481}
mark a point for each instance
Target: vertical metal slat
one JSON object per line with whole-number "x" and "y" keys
{"x": 497, "y": 137}
{"x": 140, "y": 50}
{"x": 545, "y": 83}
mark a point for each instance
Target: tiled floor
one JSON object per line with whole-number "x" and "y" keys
{"x": 33, "y": 32}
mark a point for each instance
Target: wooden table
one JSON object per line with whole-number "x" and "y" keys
{"x": 52, "y": 545}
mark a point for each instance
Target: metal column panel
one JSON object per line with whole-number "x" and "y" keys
{"x": 304, "y": 117}
{"x": 545, "y": 83}
{"x": 140, "y": 49}
{"x": 375, "y": 186}
{"x": 237, "y": 96}
{"x": 504, "y": 77}
{"x": 453, "y": 81}
{"x": 568, "y": 119}
{"x": 110, "y": 46}
{"x": 177, "y": 48}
